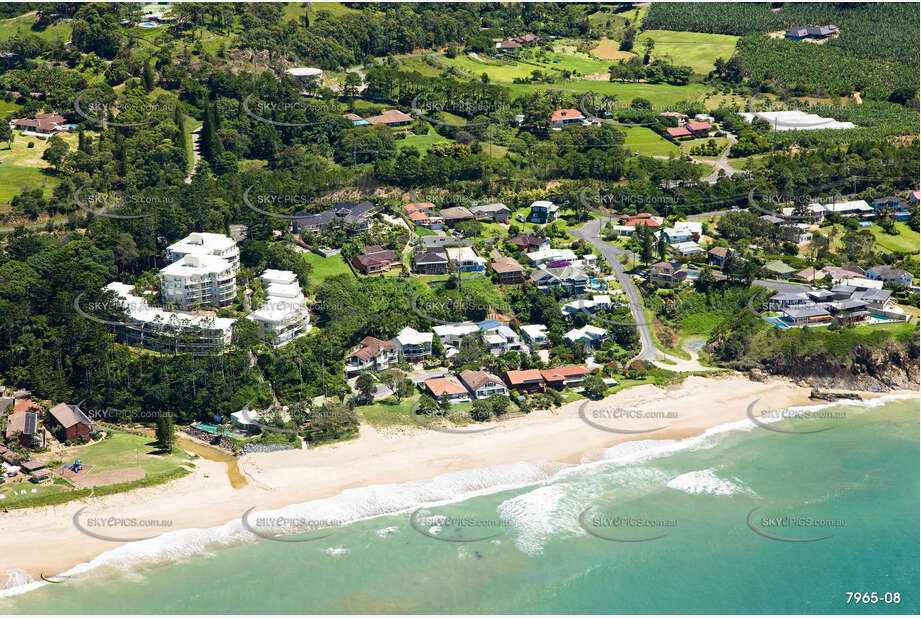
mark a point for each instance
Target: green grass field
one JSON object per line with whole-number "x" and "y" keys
{"x": 23, "y": 25}
{"x": 421, "y": 142}
{"x": 694, "y": 49}
{"x": 125, "y": 450}
{"x": 421, "y": 66}
{"x": 324, "y": 268}
{"x": 648, "y": 142}
{"x": 23, "y": 168}
{"x": 501, "y": 72}
{"x": 382, "y": 415}
{"x": 908, "y": 240}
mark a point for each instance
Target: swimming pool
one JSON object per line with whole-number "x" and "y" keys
{"x": 778, "y": 322}
{"x": 148, "y": 24}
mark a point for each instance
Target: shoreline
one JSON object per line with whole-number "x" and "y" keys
{"x": 205, "y": 499}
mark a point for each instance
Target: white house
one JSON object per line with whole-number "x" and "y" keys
{"x": 413, "y": 345}
{"x": 283, "y": 316}
{"x": 451, "y": 334}
{"x": 204, "y": 243}
{"x": 589, "y": 336}
{"x": 542, "y": 256}
{"x": 683, "y": 231}
{"x": 535, "y": 335}
{"x": 592, "y": 305}
{"x": 687, "y": 248}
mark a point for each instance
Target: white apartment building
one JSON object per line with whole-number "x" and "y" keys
{"x": 204, "y": 243}
{"x": 169, "y": 331}
{"x": 198, "y": 279}
{"x": 283, "y": 316}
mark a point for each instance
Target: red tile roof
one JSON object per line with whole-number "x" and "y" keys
{"x": 561, "y": 373}
{"x": 565, "y": 114}
{"x": 389, "y": 117}
{"x": 524, "y": 376}
{"x": 447, "y": 385}
{"x": 678, "y": 131}
{"x": 697, "y": 126}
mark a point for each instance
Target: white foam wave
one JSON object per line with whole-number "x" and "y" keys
{"x": 388, "y": 531}
{"x": 706, "y": 482}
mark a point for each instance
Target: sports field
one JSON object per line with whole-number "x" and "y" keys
{"x": 697, "y": 50}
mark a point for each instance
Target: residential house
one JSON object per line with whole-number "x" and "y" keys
{"x": 431, "y": 262}
{"x": 717, "y": 256}
{"x": 677, "y": 134}
{"x": 42, "y": 125}
{"x": 447, "y": 387}
{"x": 699, "y": 129}
{"x": 425, "y": 207}
{"x": 392, "y": 118}
{"x": 813, "y": 212}
{"x": 683, "y": 231}
{"x": 535, "y": 335}
{"x": 876, "y": 299}
{"x": 23, "y": 426}
{"x": 497, "y": 213}
{"x": 500, "y": 338}
{"x": 895, "y": 207}
{"x": 797, "y": 233}
{"x": 820, "y": 296}
{"x": 666, "y": 274}
{"x": 357, "y": 121}
{"x": 547, "y": 256}
{"x": 482, "y": 384}
{"x": 412, "y": 345}
{"x": 571, "y": 277}
{"x": 852, "y": 208}
{"x": 622, "y": 231}
{"x": 453, "y": 216}
{"x": 452, "y": 334}
{"x": 527, "y": 39}
{"x": 508, "y": 46}
{"x": 563, "y": 377}
{"x": 806, "y": 315}
{"x": 778, "y": 268}
{"x": 773, "y": 220}
{"x": 509, "y": 271}
{"x": 465, "y": 260}
{"x": 643, "y": 218}
{"x": 372, "y": 353}
{"x": 861, "y": 283}
{"x": 681, "y": 118}
{"x": 565, "y": 117}
{"x": 440, "y": 242}
{"x": 376, "y": 260}
{"x": 71, "y": 422}
{"x": 528, "y": 243}
{"x": 687, "y": 249}
{"x": 887, "y": 274}
{"x": 355, "y": 217}
{"x": 850, "y": 311}
{"x": 589, "y": 336}
{"x": 598, "y": 302}
{"x": 542, "y": 211}
{"x": 246, "y": 420}
{"x": 787, "y": 299}
{"x": 526, "y": 380}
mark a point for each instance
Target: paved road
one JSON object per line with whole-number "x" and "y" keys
{"x": 33, "y": 226}
{"x": 590, "y": 233}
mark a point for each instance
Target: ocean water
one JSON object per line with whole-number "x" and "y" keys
{"x": 650, "y": 526}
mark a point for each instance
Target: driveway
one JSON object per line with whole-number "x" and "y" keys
{"x": 590, "y": 233}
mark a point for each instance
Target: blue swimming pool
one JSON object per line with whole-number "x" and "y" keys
{"x": 778, "y": 322}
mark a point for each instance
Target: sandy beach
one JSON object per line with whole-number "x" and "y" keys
{"x": 45, "y": 540}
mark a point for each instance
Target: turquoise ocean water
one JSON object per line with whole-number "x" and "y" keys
{"x": 855, "y": 484}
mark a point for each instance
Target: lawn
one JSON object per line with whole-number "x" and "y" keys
{"x": 421, "y": 142}
{"x": 382, "y": 415}
{"x": 23, "y": 25}
{"x": 125, "y": 450}
{"x": 421, "y": 66}
{"x": 502, "y": 72}
{"x": 694, "y": 49}
{"x": 325, "y": 267}
{"x": 647, "y": 142}
{"x": 23, "y": 168}
{"x": 907, "y": 241}
{"x": 687, "y": 145}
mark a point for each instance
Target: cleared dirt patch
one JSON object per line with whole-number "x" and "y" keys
{"x": 83, "y": 479}
{"x": 609, "y": 49}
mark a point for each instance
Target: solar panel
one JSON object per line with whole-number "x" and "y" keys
{"x": 31, "y": 423}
